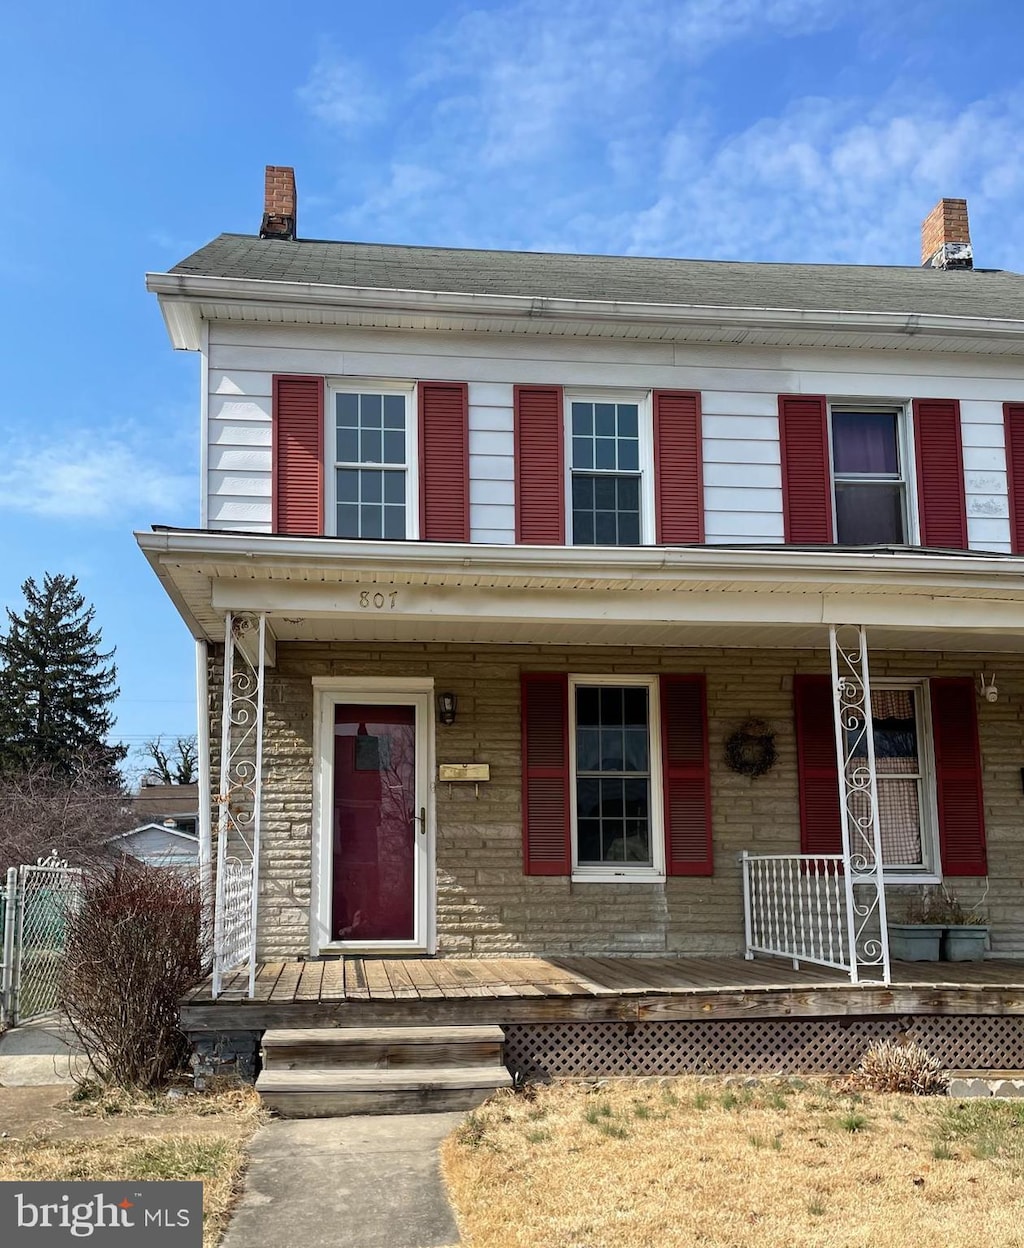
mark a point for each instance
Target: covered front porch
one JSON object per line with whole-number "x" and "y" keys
{"x": 305, "y": 620}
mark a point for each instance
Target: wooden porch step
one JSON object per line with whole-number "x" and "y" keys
{"x": 330, "y": 1093}
{"x": 382, "y": 1048}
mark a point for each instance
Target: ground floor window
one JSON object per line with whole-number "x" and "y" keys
{"x": 616, "y": 778}
{"x": 904, "y": 774}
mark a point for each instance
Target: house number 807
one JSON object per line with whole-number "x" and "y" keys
{"x": 378, "y": 601}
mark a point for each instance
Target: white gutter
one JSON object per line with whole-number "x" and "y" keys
{"x": 178, "y": 290}
{"x": 587, "y": 562}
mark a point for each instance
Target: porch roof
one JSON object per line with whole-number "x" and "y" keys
{"x": 332, "y": 589}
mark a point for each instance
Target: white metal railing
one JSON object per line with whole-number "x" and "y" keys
{"x": 858, "y": 803}
{"x": 795, "y": 906}
{"x": 239, "y": 801}
{"x": 234, "y": 930}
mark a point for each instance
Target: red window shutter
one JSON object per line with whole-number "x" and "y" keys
{"x": 958, "y": 776}
{"x": 1013, "y": 421}
{"x": 941, "y": 504}
{"x": 444, "y": 461}
{"x": 806, "y": 475}
{"x": 545, "y": 710}
{"x": 540, "y": 465}
{"x": 297, "y": 460}
{"x": 817, "y": 767}
{"x": 678, "y": 467}
{"x": 687, "y": 781}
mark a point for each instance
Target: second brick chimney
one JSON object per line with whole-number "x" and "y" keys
{"x": 946, "y": 237}
{"x": 279, "y": 203}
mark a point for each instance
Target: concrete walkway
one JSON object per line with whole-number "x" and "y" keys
{"x": 359, "y": 1182}
{"x": 39, "y": 1053}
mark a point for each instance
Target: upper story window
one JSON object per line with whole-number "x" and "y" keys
{"x": 371, "y": 473}
{"x": 869, "y": 476}
{"x": 609, "y": 475}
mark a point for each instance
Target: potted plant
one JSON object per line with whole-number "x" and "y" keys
{"x": 966, "y": 931}
{"x": 919, "y": 937}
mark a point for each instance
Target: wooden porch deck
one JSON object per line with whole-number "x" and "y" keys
{"x": 358, "y": 991}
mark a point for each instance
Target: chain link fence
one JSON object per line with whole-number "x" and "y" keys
{"x": 35, "y": 907}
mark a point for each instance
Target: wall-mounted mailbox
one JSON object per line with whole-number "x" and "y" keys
{"x": 455, "y": 772}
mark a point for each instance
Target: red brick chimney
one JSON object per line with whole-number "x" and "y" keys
{"x": 946, "y": 237}
{"x": 279, "y": 203}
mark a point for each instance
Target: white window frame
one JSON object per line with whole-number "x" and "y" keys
{"x": 636, "y": 873}
{"x": 373, "y": 385}
{"x": 905, "y": 449}
{"x": 645, "y": 427}
{"x": 930, "y": 872}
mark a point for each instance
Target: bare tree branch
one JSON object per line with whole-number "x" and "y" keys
{"x": 43, "y": 810}
{"x": 171, "y": 764}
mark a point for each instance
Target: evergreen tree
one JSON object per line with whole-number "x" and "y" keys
{"x": 56, "y": 685}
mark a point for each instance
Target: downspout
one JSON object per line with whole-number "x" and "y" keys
{"x": 205, "y": 784}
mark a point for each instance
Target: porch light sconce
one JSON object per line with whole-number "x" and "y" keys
{"x": 988, "y": 691}
{"x": 447, "y": 705}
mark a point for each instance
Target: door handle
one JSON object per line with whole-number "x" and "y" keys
{"x": 421, "y": 819}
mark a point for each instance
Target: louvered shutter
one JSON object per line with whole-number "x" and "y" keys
{"x": 444, "y": 461}
{"x": 545, "y": 711}
{"x": 958, "y": 776}
{"x": 678, "y": 467}
{"x": 942, "y": 506}
{"x": 297, "y": 455}
{"x": 1013, "y": 423}
{"x": 806, "y": 476}
{"x": 684, "y": 743}
{"x": 539, "y": 465}
{"x": 817, "y": 767}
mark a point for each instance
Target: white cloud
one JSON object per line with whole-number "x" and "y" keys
{"x": 340, "y": 94}
{"x": 92, "y": 477}
{"x": 831, "y": 180}
{"x": 528, "y": 76}
{"x": 590, "y": 125}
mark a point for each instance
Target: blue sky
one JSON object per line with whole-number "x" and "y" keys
{"x": 801, "y": 130}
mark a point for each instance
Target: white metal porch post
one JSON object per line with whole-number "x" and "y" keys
{"x": 239, "y": 799}
{"x": 858, "y": 804}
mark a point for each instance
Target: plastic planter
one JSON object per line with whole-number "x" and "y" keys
{"x": 915, "y": 942}
{"x": 964, "y": 943}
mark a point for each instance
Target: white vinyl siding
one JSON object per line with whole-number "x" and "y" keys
{"x": 239, "y": 451}
{"x": 492, "y": 489}
{"x": 739, "y": 391}
{"x": 988, "y": 508}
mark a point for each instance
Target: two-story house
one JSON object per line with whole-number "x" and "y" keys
{"x": 566, "y": 606}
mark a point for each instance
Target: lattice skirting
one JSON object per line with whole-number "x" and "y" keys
{"x": 762, "y": 1046}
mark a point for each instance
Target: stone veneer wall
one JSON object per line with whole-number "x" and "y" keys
{"x": 486, "y": 906}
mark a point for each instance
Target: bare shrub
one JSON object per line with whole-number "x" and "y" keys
{"x": 136, "y": 944}
{"x": 902, "y": 1066}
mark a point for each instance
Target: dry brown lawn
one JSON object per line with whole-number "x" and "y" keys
{"x": 674, "y": 1163}
{"x": 116, "y": 1136}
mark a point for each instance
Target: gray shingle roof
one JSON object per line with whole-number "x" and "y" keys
{"x": 719, "y": 283}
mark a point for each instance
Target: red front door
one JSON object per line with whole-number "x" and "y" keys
{"x": 375, "y": 825}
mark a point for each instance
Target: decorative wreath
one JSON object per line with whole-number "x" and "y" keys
{"x": 751, "y": 748}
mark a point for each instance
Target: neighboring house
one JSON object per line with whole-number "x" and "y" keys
{"x": 174, "y": 805}
{"x": 159, "y": 845}
{"x": 548, "y": 555}
{"x": 167, "y": 833}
